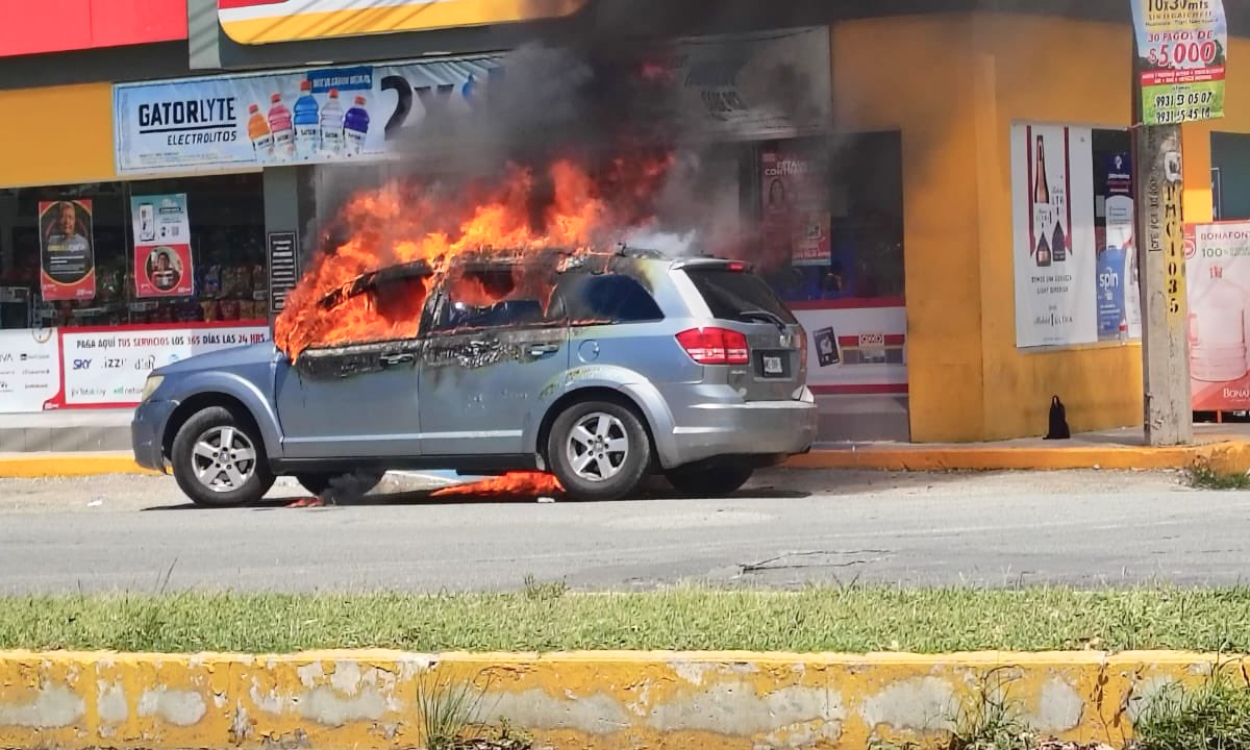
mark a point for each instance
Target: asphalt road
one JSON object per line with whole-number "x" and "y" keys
{"x": 1084, "y": 528}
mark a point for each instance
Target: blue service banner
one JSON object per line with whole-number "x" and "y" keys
{"x": 314, "y": 116}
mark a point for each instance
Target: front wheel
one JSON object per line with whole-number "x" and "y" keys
{"x": 599, "y": 450}
{"x": 219, "y": 460}
{"x": 710, "y": 481}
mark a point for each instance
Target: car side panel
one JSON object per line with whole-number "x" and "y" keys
{"x": 628, "y": 383}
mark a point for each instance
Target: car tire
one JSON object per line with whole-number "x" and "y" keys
{"x": 711, "y": 481}
{"x": 587, "y": 455}
{"x": 317, "y": 484}
{"x": 219, "y": 460}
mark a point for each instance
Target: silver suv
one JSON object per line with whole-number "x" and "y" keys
{"x": 601, "y": 369}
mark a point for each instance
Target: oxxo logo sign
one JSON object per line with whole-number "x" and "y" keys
{"x": 82, "y": 364}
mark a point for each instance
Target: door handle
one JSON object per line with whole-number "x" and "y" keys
{"x": 390, "y": 360}
{"x": 538, "y": 350}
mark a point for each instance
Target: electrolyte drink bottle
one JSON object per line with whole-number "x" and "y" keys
{"x": 307, "y": 123}
{"x": 332, "y": 124}
{"x": 356, "y": 126}
{"x": 258, "y": 132}
{"x": 280, "y": 124}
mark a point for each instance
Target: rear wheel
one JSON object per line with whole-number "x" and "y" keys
{"x": 219, "y": 459}
{"x": 714, "y": 480}
{"x": 599, "y": 450}
{"x": 357, "y": 483}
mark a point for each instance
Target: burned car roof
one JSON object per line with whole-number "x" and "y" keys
{"x": 365, "y": 282}
{"x": 557, "y": 260}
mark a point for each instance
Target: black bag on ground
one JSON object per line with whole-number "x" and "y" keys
{"x": 1058, "y": 421}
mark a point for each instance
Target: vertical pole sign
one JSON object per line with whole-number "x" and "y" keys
{"x": 1179, "y": 55}
{"x": 283, "y": 270}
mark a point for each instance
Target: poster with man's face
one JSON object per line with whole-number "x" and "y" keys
{"x": 162, "y": 234}
{"x": 67, "y": 250}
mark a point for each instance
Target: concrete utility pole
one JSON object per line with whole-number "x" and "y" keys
{"x": 1160, "y": 233}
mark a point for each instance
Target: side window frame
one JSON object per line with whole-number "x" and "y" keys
{"x": 439, "y": 313}
{"x": 578, "y": 283}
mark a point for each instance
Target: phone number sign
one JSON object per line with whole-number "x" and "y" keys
{"x": 1183, "y": 51}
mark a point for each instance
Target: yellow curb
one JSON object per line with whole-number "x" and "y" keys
{"x": 1229, "y": 455}
{"x": 68, "y": 465}
{"x": 371, "y": 700}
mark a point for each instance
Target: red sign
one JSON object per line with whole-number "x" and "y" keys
{"x": 163, "y": 271}
{"x": 797, "y": 221}
{"x": 31, "y": 28}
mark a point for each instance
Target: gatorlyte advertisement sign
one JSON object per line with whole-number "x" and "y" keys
{"x": 269, "y": 21}
{"x": 314, "y": 116}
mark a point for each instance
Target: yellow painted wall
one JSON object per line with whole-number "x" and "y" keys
{"x": 1034, "y": 77}
{"x": 57, "y": 135}
{"x": 915, "y": 75}
{"x": 954, "y": 85}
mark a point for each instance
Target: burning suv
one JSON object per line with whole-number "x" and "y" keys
{"x": 601, "y": 369}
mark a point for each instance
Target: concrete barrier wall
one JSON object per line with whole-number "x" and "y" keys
{"x": 608, "y": 701}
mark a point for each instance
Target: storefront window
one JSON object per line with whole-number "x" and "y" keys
{"x": 831, "y": 213}
{"x": 109, "y": 254}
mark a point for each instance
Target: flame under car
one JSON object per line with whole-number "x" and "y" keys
{"x": 599, "y": 368}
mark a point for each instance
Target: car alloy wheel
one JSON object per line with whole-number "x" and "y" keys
{"x": 224, "y": 459}
{"x": 598, "y": 450}
{"x": 219, "y": 460}
{"x": 597, "y": 447}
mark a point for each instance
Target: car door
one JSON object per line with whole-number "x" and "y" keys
{"x": 485, "y": 369}
{"x": 353, "y": 401}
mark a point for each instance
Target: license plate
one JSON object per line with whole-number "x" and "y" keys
{"x": 772, "y": 366}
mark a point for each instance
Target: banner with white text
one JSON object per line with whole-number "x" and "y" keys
{"x": 108, "y": 367}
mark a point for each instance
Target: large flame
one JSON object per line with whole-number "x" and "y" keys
{"x": 563, "y": 206}
{"x": 516, "y": 484}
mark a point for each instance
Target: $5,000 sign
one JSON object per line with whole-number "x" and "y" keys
{"x": 1183, "y": 46}
{"x": 109, "y": 368}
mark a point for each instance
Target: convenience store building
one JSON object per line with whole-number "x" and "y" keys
{"x": 932, "y": 108}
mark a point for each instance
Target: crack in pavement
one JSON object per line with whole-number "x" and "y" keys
{"x": 765, "y": 565}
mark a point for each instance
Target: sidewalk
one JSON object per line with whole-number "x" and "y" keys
{"x": 66, "y": 431}
{"x": 1225, "y": 447}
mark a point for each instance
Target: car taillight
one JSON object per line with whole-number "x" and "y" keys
{"x": 714, "y": 346}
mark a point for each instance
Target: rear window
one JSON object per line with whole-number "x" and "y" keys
{"x": 730, "y": 294}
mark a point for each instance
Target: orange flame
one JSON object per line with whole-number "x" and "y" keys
{"x": 568, "y": 208}
{"x": 516, "y": 484}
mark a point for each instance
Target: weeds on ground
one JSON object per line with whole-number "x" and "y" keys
{"x": 1215, "y": 715}
{"x": 989, "y": 720}
{"x": 1203, "y": 477}
{"x": 450, "y": 710}
{"x": 543, "y": 592}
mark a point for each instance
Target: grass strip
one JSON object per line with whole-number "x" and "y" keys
{"x": 546, "y": 617}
